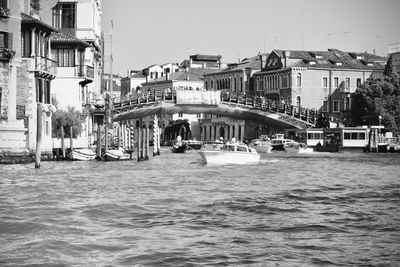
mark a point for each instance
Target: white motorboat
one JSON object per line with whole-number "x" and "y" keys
{"x": 262, "y": 145}
{"x": 231, "y": 153}
{"x": 295, "y": 147}
{"x": 279, "y": 142}
{"x": 116, "y": 154}
{"x": 82, "y": 154}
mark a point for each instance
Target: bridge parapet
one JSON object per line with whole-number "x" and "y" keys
{"x": 198, "y": 97}
{"x": 297, "y": 116}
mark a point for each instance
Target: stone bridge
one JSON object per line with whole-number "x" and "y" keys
{"x": 238, "y": 106}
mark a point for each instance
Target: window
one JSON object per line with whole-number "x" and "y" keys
{"x": 198, "y": 115}
{"x": 26, "y": 43}
{"x": 336, "y": 82}
{"x": 358, "y": 82}
{"x": 64, "y": 57}
{"x": 298, "y": 79}
{"x": 325, "y": 82}
{"x": 336, "y": 106}
{"x": 298, "y": 101}
{"x": 180, "y": 115}
{"x": 212, "y": 84}
{"x": 64, "y": 16}
{"x": 4, "y": 3}
{"x": 347, "y": 83}
{"x": 241, "y": 84}
{"x": 5, "y": 41}
{"x": 325, "y": 106}
{"x": 347, "y": 103}
{"x": 1, "y": 91}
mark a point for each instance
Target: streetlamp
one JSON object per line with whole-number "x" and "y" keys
{"x": 380, "y": 119}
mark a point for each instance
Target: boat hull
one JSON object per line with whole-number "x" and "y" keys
{"x": 262, "y": 148}
{"x": 226, "y": 157}
{"x": 114, "y": 155}
{"x": 178, "y": 149}
{"x": 82, "y": 155}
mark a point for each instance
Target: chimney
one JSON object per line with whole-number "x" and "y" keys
{"x": 286, "y": 55}
{"x": 261, "y": 61}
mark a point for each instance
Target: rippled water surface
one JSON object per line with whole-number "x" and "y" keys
{"x": 324, "y": 209}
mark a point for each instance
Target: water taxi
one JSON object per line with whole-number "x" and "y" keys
{"x": 261, "y": 145}
{"x": 278, "y": 142}
{"x": 296, "y": 147}
{"x": 231, "y": 153}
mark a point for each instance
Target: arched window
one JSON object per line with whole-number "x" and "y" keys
{"x": 298, "y": 79}
{"x": 347, "y": 103}
{"x": 241, "y": 83}
{"x": 212, "y": 84}
{"x": 234, "y": 84}
{"x": 298, "y": 101}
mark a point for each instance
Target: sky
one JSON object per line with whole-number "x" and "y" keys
{"x": 162, "y": 31}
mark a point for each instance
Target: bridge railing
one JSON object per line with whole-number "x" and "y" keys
{"x": 255, "y": 102}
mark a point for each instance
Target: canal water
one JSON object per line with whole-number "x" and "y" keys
{"x": 330, "y": 209}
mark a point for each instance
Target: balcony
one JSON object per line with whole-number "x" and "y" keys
{"x": 45, "y": 67}
{"x": 84, "y": 71}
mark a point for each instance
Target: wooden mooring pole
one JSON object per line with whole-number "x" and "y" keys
{"x": 38, "y": 153}
{"x": 62, "y": 142}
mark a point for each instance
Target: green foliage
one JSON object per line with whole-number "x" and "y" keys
{"x": 67, "y": 118}
{"x": 378, "y": 98}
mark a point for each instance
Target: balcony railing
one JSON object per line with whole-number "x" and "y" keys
{"x": 46, "y": 65}
{"x": 84, "y": 71}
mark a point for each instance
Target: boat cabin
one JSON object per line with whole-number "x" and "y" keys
{"x": 237, "y": 147}
{"x": 311, "y": 136}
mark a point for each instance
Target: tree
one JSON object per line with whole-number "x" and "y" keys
{"x": 67, "y": 118}
{"x": 377, "y": 101}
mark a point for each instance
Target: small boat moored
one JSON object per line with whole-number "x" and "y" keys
{"x": 296, "y": 147}
{"x": 116, "y": 154}
{"x": 231, "y": 153}
{"x": 82, "y": 154}
{"x": 193, "y": 144}
{"x": 179, "y": 146}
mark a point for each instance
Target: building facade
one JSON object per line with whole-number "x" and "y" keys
{"x": 27, "y": 73}
{"x": 394, "y": 53}
{"x": 236, "y": 78}
{"x": 321, "y": 80}
{"x": 77, "y": 50}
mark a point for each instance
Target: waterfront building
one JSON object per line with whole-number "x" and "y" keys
{"x": 131, "y": 84}
{"x": 203, "y": 62}
{"x": 394, "y": 53}
{"x": 237, "y": 79}
{"x": 105, "y": 85}
{"x": 187, "y": 79}
{"x": 321, "y": 80}
{"x": 77, "y": 50}
{"x": 26, "y": 77}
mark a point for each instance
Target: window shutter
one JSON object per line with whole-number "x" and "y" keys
{"x": 10, "y": 40}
